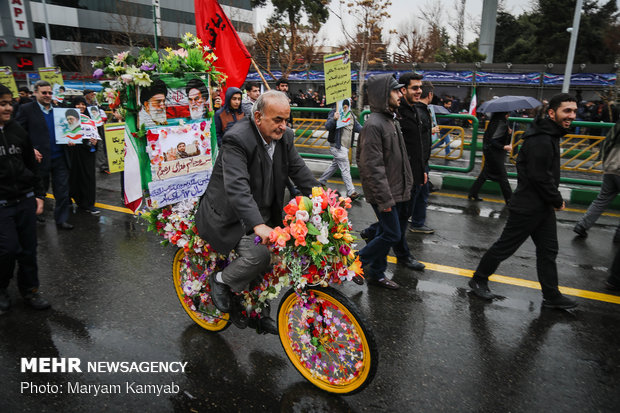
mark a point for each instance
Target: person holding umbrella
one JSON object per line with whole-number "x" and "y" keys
{"x": 496, "y": 143}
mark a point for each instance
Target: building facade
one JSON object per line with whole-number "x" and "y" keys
{"x": 81, "y": 30}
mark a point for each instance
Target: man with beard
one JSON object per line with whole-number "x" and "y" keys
{"x": 153, "y": 101}
{"x": 532, "y": 206}
{"x": 197, "y": 97}
{"x": 387, "y": 179}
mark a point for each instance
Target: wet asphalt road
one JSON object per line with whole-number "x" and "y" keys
{"x": 441, "y": 349}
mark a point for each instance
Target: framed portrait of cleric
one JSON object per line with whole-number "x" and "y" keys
{"x": 67, "y": 125}
{"x": 172, "y": 101}
{"x": 179, "y": 150}
{"x": 345, "y": 116}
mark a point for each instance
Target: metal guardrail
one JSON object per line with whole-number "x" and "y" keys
{"x": 452, "y": 149}
{"x": 579, "y": 152}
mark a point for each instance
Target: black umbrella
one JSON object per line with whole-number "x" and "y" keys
{"x": 508, "y": 104}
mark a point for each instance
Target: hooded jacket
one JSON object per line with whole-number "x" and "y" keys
{"x": 226, "y": 116}
{"x": 18, "y": 168}
{"x": 538, "y": 169}
{"x": 610, "y": 151}
{"x": 381, "y": 154}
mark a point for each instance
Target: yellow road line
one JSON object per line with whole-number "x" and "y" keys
{"x": 493, "y": 200}
{"x": 104, "y": 206}
{"x": 503, "y": 279}
{"x": 608, "y": 298}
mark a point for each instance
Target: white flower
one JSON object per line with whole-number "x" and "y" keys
{"x": 316, "y": 220}
{"x": 127, "y": 79}
{"x": 323, "y": 237}
{"x": 302, "y": 215}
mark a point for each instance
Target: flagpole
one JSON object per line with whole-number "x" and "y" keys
{"x": 260, "y": 74}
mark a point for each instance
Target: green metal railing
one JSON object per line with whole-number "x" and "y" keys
{"x": 572, "y": 152}
{"x": 305, "y": 138}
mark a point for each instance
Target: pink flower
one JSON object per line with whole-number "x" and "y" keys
{"x": 98, "y": 73}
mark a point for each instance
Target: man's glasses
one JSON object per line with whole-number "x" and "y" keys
{"x": 46, "y": 93}
{"x": 415, "y": 87}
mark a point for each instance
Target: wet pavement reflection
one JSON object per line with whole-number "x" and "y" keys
{"x": 440, "y": 347}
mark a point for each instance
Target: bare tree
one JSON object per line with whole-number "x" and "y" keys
{"x": 365, "y": 40}
{"x": 410, "y": 41}
{"x": 457, "y": 21}
{"x": 126, "y": 27}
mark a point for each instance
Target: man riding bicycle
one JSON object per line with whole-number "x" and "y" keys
{"x": 245, "y": 196}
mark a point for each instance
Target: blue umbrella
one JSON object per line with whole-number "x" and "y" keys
{"x": 508, "y": 104}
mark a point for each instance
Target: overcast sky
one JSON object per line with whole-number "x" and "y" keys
{"x": 403, "y": 11}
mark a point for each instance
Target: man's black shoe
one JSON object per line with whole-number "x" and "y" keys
{"x": 358, "y": 279}
{"x": 65, "y": 225}
{"x": 367, "y": 235}
{"x": 560, "y": 302}
{"x": 265, "y": 325}
{"x": 37, "y": 302}
{"x": 481, "y": 289}
{"x": 580, "y": 230}
{"x": 611, "y": 287}
{"x": 5, "y": 300}
{"x": 220, "y": 293}
{"x": 383, "y": 282}
{"x": 410, "y": 263}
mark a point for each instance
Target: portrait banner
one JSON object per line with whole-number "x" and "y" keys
{"x": 115, "y": 146}
{"x": 177, "y": 189}
{"x": 171, "y": 149}
{"x": 345, "y": 116}
{"x": 7, "y": 79}
{"x": 67, "y": 125}
{"x": 337, "y": 69}
{"x": 170, "y": 101}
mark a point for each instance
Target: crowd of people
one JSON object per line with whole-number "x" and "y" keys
{"x": 393, "y": 159}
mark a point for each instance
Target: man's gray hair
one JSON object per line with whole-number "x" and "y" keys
{"x": 271, "y": 96}
{"x": 41, "y": 83}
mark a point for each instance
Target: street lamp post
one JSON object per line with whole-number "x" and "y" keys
{"x": 574, "y": 31}
{"x": 47, "y": 51}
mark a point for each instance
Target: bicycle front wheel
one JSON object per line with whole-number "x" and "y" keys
{"x": 324, "y": 336}
{"x": 192, "y": 288}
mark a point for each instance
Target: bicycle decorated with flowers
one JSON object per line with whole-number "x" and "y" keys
{"x": 321, "y": 330}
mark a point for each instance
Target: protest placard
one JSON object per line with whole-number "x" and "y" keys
{"x": 177, "y": 189}
{"x": 7, "y": 79}
{"x": 67, "y": 125}
{"x": 337, "y": 69}
{"x": 115, "y": 146}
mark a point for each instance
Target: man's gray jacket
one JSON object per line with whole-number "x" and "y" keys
{"x": 246, "y": 187}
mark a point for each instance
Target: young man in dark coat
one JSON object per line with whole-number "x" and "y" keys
{"x": 533, "y": 204}
{"x": 387, "y": 180}
{"x": 21, "y": 198}
{"x": 245, "y": 196}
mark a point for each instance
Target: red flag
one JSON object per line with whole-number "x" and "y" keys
{"x": 215, "y": 30}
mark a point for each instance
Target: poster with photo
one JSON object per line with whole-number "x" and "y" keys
{"x": 345, "y": 116}
{"x": 179, "y": 150}
{"x": 67, "y": 125}
{"x": 95, "y": 114}
{"x": 89, "y": 129}
{"x": 337, "y": 68}
{"x": 171, "y": 101}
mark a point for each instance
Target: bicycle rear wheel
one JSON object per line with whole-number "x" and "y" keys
{"x": 327, "y": 340}
{"x": 192, "y": 288}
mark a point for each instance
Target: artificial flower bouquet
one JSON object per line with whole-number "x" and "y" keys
{"x": 314, "y": 247}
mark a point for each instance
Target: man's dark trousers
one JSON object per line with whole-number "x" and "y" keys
{"x": 60, "y": 187}
{"x": 541, "y": 226}
{"x": 391, "y": 233}
{"x": 18, "y": 241}
{"x": 419, "y": 200}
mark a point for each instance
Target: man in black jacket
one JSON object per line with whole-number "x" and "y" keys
{"x": 21, "y": 197}
{"x": 533, "y": 204}
{"x": 38, "y": 119}
{"x": 245, "y": 195}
